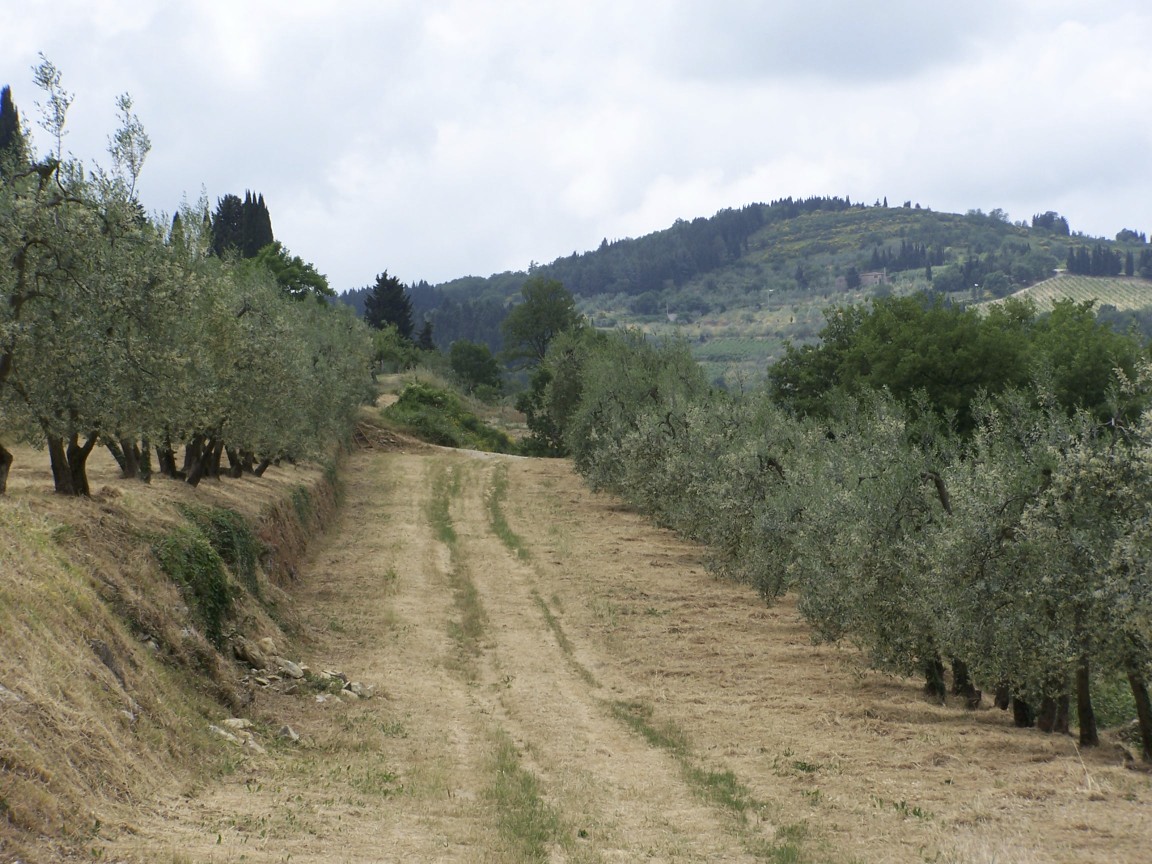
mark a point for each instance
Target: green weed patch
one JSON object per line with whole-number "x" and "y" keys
{"x": 187, "y": 556}
{"x": 233, "y": 539}
{"x": 439, "y": 417}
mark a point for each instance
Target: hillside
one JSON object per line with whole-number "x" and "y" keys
{"x": 112, "y": 672}
{"x": 1123, "y": 293}
{"x": 740, "y": 284}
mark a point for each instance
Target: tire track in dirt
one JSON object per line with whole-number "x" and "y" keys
{"x": 400, "y": 777}
{"x": 626, "y": 799}
{"x": 606, "y": 611}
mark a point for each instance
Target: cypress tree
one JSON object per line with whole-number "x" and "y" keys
{"x": 11, "y": 135}
{"x": 244, "y": 226}
{"x": 255, "y": 225}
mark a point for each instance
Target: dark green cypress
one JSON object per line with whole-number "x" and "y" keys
{"x": 255, "y": 225}
{"x": 12, "y": 149}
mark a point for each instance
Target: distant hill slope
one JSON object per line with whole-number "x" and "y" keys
{"x": 741, "y": 283}
{"x": 1122, "y": 292}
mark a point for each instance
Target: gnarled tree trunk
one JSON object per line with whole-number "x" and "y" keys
{"x": 962, "y": 684}
{"x": 235, "y": 462}
{"x": 214, "y": 455}
{"x": 70, "y": 463}
{"x": 1143, "y": 709}
{"x": 1022, "y": 715}
{"x": 1086, "y": 716}
{"x": 5, "y": 467}
{"x": 1053, "y": 714}
{"x": 166, "y": 459}
{"x": 934, "y": 684}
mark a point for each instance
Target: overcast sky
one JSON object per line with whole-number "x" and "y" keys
{"x": 445, "y": 138}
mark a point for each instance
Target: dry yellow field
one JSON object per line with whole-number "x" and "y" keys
{"x": 559, "y": 681}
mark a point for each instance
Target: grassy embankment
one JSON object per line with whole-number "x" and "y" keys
{"x": 118, "y": 615}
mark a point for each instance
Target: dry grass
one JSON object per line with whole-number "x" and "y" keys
{"x": 653, "y": 711}
{"x": 108, "y": 685}
{"x": 876, "y": 772}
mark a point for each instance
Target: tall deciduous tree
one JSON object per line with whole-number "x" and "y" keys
{"x": 546, "y": 310}
{"x": 388, "y": 303}
{"x": 296, "y": 277}
{"x": 474, "y": 365}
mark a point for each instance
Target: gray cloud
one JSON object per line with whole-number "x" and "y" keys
{"x": 460, "y": 137}
{"x": 829, "y": 39}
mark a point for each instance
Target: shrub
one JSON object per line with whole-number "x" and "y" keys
{"x": 187, "y": 556}
{"x": 232, "y": 538}
{"x": 438, "y": 416}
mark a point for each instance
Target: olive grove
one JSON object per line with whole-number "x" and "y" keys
{"x": 123, "y": 330}
{"x": 1015, "y": 551}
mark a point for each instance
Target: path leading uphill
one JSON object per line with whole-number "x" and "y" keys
{"x": 559, "y": 681}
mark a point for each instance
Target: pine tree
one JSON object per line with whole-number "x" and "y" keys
{"x": 424, "y": 339}
{"x": 227, "y": 231}
{"x": 387, "y": 303}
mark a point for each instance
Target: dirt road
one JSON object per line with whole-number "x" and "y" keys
{"x": 559, "y": 681}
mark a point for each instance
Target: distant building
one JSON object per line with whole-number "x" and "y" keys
{"x": 867, "y": 280}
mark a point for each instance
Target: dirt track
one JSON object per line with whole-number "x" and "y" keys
{"x": 571, "y": 685}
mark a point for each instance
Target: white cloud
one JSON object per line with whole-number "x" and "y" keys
{"x": 458, "y": 137}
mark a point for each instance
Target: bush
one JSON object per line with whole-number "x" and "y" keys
{"x": 188, "y": 557}
{"x": 439, "y": 417}
{"x": 230, "y": 535}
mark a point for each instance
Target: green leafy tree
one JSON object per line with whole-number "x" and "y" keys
{"x": 117, "y": 330}
{"x": 387, "y": 302}
{"x": 554, "y": 391}
{"x": 877, "y": 489}
{"x": 1076, "y": 355}
{"x": 910, "y": 345}
{"x": 622, "y": 379}
{"x": 391, "y": 352}
{"x": 546, "y": 310}
{"x": 474, "y": 366}
{"x": 296, "y": 277}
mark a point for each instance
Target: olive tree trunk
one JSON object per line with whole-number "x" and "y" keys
{"x": 1143, "y": 710}
{"x": 1086, "y": 716}
{"x": 5, "y": 467}
{"x": 69, "y": 462}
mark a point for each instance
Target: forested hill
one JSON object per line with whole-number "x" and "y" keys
{"x": 790, "y": 253}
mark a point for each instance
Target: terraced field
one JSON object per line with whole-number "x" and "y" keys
{"x": 1122, "y": 292}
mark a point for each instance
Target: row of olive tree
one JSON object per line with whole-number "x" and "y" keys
{"x": 1018, "y": 552}
{"x": 118, "y": 329}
